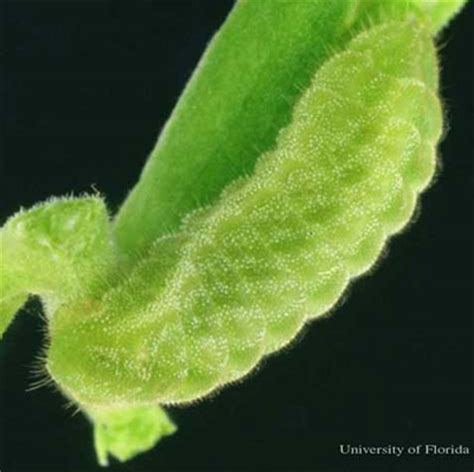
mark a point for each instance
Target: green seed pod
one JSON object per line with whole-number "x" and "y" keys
{"x": 241, "y": 278}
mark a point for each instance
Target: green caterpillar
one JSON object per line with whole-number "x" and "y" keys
{"x": 241, "y": 277}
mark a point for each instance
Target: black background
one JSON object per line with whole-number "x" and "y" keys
{"x": 87, "y": 85}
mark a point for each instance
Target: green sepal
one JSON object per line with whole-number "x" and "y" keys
{"x": 125, "y": 431}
